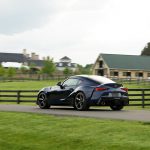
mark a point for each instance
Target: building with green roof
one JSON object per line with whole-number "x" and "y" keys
{"x": 122, "y": 66}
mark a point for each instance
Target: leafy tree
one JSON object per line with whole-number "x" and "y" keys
{"x": 2, "y": 71}
{"x": 146, "y": 50}
{"x": 24, "y": 69}
{"x": 49, "y": 67}
{"x": 11, "y": 72}
{"x": 88, "y": 68}
{"x": 84, "y": 70}
{"x": 67, "y": 71}
{"x": 32, "y": 68}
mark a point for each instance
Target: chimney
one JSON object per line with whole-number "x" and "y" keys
{"x": 24, "y": 51}
{"x": 37, "y": 57}
{"x": 34, "y": 56}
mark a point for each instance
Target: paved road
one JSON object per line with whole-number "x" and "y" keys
{"x": 137, "y": 115}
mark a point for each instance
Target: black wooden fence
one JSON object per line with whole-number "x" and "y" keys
{"x": 138, "y": 97}
{"x": 18, "y": 96}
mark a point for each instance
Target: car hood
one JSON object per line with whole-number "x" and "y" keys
{"x": 49, "y": 88}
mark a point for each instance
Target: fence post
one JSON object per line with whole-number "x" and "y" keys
{"x": 143, "y": 98}
{"x": 18, "y": 97}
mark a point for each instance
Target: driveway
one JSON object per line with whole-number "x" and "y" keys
{"x": 135, "y": 115}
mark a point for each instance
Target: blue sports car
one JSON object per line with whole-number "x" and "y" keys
{"x": 83, "y": 91}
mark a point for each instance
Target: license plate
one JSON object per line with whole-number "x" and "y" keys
{"x": 116, "y": 94}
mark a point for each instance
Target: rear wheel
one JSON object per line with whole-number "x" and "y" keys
{"x": 42, "y": 101}
{"x": 80, "y": 102}
{"x": 116, "y": 107}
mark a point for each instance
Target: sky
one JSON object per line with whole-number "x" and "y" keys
{"x": 79, "y": 29}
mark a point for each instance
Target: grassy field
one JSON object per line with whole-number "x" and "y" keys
{"x": 26, "y": 85}
{"x": 25, "y": 131}
{"x": 36, "y": 85}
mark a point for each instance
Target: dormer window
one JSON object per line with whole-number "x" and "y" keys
{"x": 101, "y": 64}
{"x": 69, "y": 64}
{"x": 60, "y": 64}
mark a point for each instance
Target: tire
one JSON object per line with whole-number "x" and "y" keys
{"x": 42, "y": 101}
{"x": 80, "y": 102}
{"x": 116, "y": 107}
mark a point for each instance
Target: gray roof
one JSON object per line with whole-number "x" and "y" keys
{"x": 37, "y": 63}
{"x": 131, "y": 62}
{"x": 65, "y": 58}
{"x": 12, "y": 57}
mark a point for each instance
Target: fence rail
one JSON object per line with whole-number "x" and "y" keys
{"x": 17, "y": 95}
{"x": 137, "y": 97}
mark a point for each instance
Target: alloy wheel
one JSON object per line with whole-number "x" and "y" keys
{"x": 42, "y": 101}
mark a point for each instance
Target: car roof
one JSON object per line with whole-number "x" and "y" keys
{"x": 99, "y": 79}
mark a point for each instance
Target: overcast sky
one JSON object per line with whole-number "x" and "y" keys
{"x": 79, "y": 29}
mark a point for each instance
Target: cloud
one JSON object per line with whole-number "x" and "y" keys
{"x": 80, "y": 29}
{"x": 22, "y": 15}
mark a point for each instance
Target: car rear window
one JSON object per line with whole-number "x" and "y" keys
{"x": 101, "y": 80}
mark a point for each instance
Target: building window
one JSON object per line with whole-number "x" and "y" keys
{"x": 69, "y": 64}
{"x": 101, "y": 64}
{"x": 148, "y": 74}
{"x": 60, "y": 64}
{"x": 139, "y": 74}
{"x": 127, "y": 74}
{"x": 114, "y": 73}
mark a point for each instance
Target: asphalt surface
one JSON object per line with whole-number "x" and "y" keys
{"x": 135, "y": 115}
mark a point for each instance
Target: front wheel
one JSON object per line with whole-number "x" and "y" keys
{"x": 42, "y": 101}
{"x": 80, "y": 102}
{"x": 116, "y": 107}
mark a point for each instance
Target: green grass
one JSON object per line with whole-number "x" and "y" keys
{"x": 136, "y": 86}
{"x": 26, "y": 85}
{"x": 25, "y": 131}
{"x": 36, "y": 85}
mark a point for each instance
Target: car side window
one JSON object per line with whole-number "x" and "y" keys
{"x": 71, "y": 82}
{"x": 79, "y": 82}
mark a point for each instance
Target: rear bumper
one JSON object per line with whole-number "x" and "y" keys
{"x": 107, "y": 101}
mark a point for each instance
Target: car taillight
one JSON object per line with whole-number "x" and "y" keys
{"x": 100, "y": 89}
{"x": 125, "y": 89}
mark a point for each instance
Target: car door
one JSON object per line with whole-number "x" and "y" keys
{"x": 68, "y": 87}
{"x": 58, "y": 94}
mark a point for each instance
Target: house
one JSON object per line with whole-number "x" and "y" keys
{"x": 17, "y": 60}
{"x": 12, "y": 57}
{"x": 65, "y": 62}
{"x": 14, "y": 60}
{"x": 122, "y": 66}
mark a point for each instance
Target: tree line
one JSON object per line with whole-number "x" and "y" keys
{"x": 146, "y": 50}
{"x": 48, "y": 69}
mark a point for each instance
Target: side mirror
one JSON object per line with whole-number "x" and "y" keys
{"x": 59, "y": 84}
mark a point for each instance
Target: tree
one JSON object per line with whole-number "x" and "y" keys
{"x": 146, "y": 50}
{"x": 67, "y": 71}
{"x": 23, "y": 69}
{"x": 32, "y": 68}
{"x": 84, "y": 70}
{"x": 11, "y": 72}
{"x": 2, "y": 71}
{"x": 88, "y": 68}
{"x": 49, "y": 67}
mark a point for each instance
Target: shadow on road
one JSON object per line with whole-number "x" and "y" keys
{"x": 90, "y": 110}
